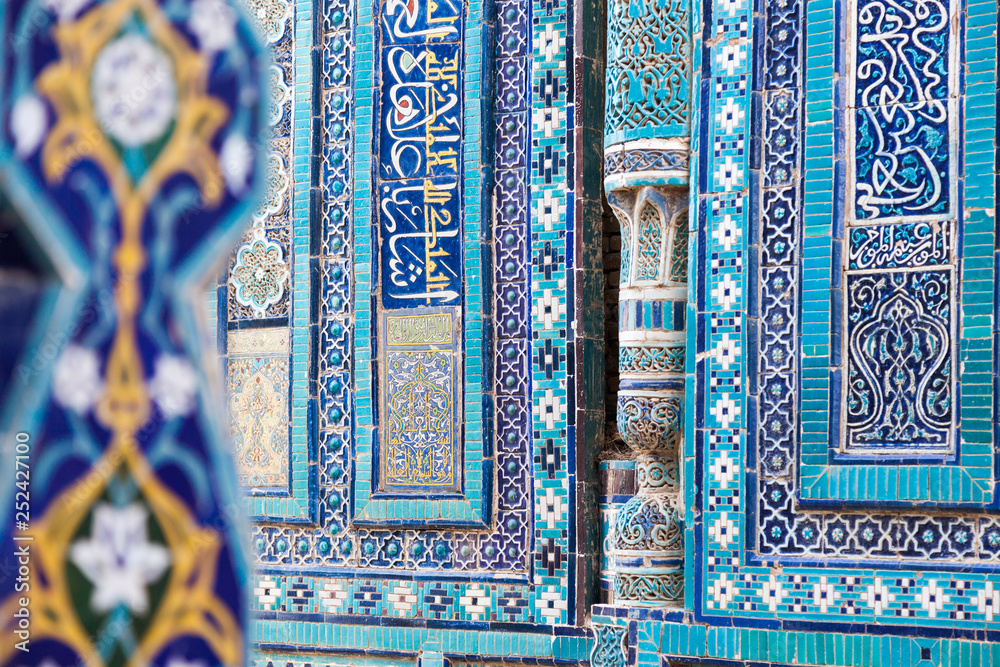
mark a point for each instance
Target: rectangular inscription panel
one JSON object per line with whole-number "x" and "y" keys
{"x": 421, "y": 403}
{"x": 258, "y": 378}
{"x": 900, "y": 289}
{"x": 419, "y": 231}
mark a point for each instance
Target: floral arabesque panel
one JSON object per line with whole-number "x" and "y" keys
{"x": 421, "y": 434}
{"x": 258, "y": 405}
{"x": 260, "y": 276}
{"x": 648, "y": 90}
{"x": 904, "y": 418}
{"x": 902, "y": 80}
{"x": 900, "y": 292}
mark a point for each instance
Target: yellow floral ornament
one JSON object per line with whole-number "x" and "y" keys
{"x": 129, "y": 94}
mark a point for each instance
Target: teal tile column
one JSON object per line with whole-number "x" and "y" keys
{"x": 647, "y": 152}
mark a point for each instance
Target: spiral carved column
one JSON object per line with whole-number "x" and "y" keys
{"x": 647, "y": 152}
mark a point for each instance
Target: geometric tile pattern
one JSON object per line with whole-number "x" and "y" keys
{"x": 745, "y": 419}
{"x": 761, "y": 509}
{"x": 529, "y": 529}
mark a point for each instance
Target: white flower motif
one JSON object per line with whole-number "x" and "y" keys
{"x": 118, "y": 558}
{"x": 726, "y": 411}
{"x": 551, "y": 209}
{"x": 550, "y": 41}
{"x": 727, "y": 292}
{"x": 549, "y": 309}
{"x": 726, "y": 351}
{"x": 722, "y": 530}
{"x": 723, "y": 470}
{"x": 730, "y": 116}
{"x": 213, "y": 22}
{"x": 729, "y": 174}
{"x": 28, "y": 122}
{"x": 76, "y": 380}
{"x": 549, "y": 119}
{"x": 134, "y": 92}
{"x": 727, "y": 234}
{"x": 174, "y": 386}
{"x": 65, "y": 9}
{"x": 877, "y": 596}
{"x": 236, "y": 160}
{"x": 730, "y": 57}
{"x": 550, "y": 409}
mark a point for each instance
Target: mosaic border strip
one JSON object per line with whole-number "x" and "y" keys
{"x": 666, "y": 644}
{"x": 751, "y": 592}
{"x": 781, "y": 528}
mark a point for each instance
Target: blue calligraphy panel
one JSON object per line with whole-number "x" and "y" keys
{"x": 900, "y": 292}
{"x": 421, "y": 111}
{"x": 903, "y": 80}
{"x": 421, "y": 242}
{"x": 421, "y": 21}
{"x": 421, "y": 252}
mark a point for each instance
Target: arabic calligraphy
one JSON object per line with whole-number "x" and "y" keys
{"x": 419, "y": 195}
{"x": 420, "y": 159}
{"x": 421, "y": 249}
{"x": 420, "y": 329}
{"x": 903, "y": 117}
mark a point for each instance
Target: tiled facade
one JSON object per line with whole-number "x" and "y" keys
{"x": 777, "y": 216}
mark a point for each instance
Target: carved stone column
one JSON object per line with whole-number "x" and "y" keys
{"x": 647, "y": 150}
{"x": 648, "y": 538}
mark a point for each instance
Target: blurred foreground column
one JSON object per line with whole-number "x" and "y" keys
{"x": 131, "y": 154}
